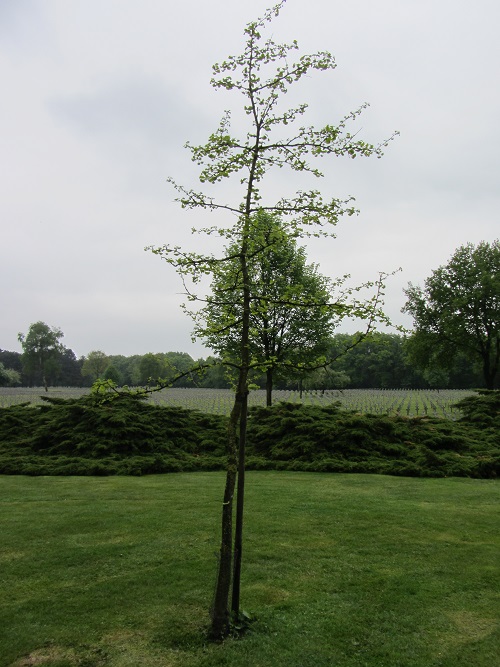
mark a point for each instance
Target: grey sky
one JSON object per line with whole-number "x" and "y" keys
{"x": 98, "y": 99}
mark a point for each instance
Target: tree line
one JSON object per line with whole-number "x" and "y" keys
{"x": 382, "y": 360}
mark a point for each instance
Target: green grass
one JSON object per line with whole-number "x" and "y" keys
{"x": 340, "y": 570}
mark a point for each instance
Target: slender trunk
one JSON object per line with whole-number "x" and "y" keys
{"x": 236, "y": 468}
{"x": 220, "y": 619}
{"x": 220, "y": 611}
{"x": 238, "y": 536}
{"x": 488, "y": 372}
{"x": 243, "y": 394}
{"x": 489, "y": 380}
{"x": 269, "y": 387}
{"x": 42, "y": 372}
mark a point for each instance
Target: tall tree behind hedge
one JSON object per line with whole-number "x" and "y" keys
{"x": 95, "y": 364}
{"x": 285, "y": 291}
{"x": 459, "y": 308}
{"x": 41, "y": 346}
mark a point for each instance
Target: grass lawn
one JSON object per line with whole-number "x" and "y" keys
{"x": 340, "y": 571}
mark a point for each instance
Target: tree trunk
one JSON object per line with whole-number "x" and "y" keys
{"x": 269, "y": 387}
{"x": 489, "y": 370}
{"x": 243, "y": 397}
{"x": 220, "y": 615}
{"x": 220, "y": 611}
{"x": 238, "y": 536}
{"x": 489, "y": 380}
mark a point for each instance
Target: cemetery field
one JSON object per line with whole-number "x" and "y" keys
{"x": 410, "y": 403}
{"x": 347, "y": 570}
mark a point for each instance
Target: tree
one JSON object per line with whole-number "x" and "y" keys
{"x": 151, "y": 367}
{"x": 12, "y": 360}
{"x": 262, "y": 74}
{"x": 326, "y": 378}
{"x": 282, "y": 330}
{"x": 459, "y": 309}
{"x": 70, "y": 368}
{"x": 214, "y": 374}
{"x": 123, "y": 366}
{"x": 179, "y": 364}
{"x": 95, "y": 364}
{"x": 9, "y": 377}
{"x": 41, "y": 347}
{"x": 113, "y": 374}
{"x": 377, "y": 362}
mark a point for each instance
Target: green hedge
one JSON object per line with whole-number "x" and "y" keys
{"x": 129, "y": 436}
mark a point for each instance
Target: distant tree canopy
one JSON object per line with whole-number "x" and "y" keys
{"x": 459, "y": 310}
{"x": 11, "y": 360}
{"x": 95, "y": 365}
{"x": 9, "y": 377}
{"x": 113, "y": 374}
{"x": 41, "y": 349}
{"x": 382, "y": 360}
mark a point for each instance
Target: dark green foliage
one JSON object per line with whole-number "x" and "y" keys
{"x": 124, "y": 436}
{"x": 482, "y": 409}
{"x": 458, "y": 310}
{"x": 329, "y": 439}
{"x": 129, "y": 436}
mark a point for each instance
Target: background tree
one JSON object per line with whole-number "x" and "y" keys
{"x": 9, "y": 377}
{"x": 122, "y": 365}
{"x": 214, "y": 375}
{"x": 95, "y": 364}
{"x": 283, "y": 288}
{"x": 113, "y": 374}
{"x": 166, "y": 366}
{"x": 460, "y": 371}
{"x": 378, "y": 361}
{"x": 179, "y": 364}
{"x": 41, "y": 347}
{"x": 151, "y": 367}
{"x": 12, "y": 360}
{"x": 262, "y": 74}
{"x": 459, "y": 309}
{"x": 70, "y": 368}
{"x": 326, "y": 378}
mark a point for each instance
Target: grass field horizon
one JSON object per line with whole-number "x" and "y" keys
{"x": 344, "y": 570}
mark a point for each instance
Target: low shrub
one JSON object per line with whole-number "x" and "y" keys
{"x": 128, "y": 436}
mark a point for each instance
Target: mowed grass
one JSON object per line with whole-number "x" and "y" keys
{"x": 340, "y": 570}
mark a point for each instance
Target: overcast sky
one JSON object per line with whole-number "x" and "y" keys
{"x": 98, "y": 97}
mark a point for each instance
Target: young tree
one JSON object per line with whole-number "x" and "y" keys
{"x": 282, "y": 329}
{"x": 95, "y": 364}
{"x": 262, "y": 74}
{"x": 41, "y": 347}
{"x": 459, "y": 309}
